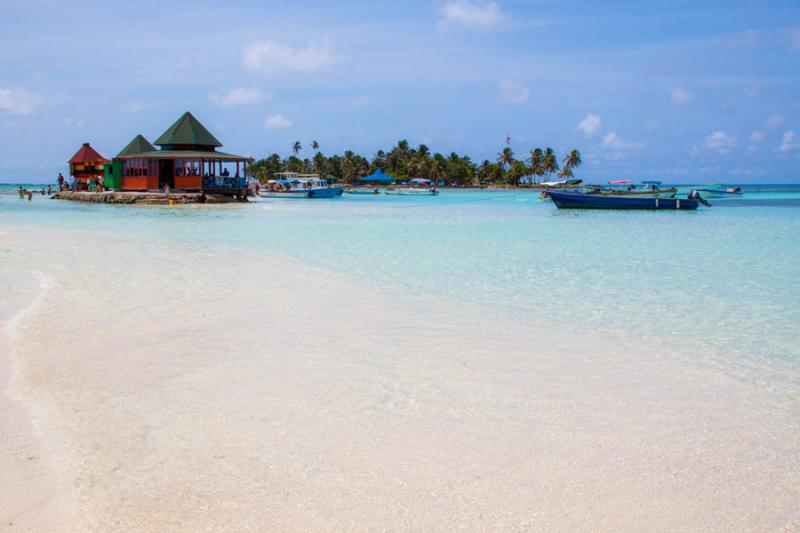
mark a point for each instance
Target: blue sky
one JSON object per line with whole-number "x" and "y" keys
{"x": 682, "y": 91}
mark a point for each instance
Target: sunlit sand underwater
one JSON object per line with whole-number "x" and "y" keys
{"x": 478, "y": 360}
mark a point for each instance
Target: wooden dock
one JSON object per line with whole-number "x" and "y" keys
{"x": 146, "y": 198}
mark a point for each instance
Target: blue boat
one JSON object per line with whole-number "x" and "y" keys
{"x": 579, "y": 200}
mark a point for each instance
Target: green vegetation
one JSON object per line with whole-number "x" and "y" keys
{"x": 404, "y": 162}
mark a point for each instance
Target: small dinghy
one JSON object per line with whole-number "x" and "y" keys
{"x": 417, "y": 187}
{"x": 720, "y": 191}
{"x": 362, "y": 190}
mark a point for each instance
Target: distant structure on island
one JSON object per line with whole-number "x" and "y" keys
{"x": 186, "y": 160}
{"x": 377, "y": 178}
{"x": 87, "y": 164}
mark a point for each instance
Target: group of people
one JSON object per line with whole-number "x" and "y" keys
{"x": 95, "y": 184}
{"x": 189, "y": 171}
{"x": 28, "y": 193}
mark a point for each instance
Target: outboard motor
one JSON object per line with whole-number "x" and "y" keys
{"x": 694, "y": 195}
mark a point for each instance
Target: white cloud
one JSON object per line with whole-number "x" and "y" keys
{"x": 513, "y": 92}
{"x": 681, "y": 96}
{"x": 745, "y": 39}
{"x": 590, "y": 125}
{"x": 794, "y": 38}
{"x": 271, "y": 56}
{"x": 277, "y": 122}
{"x": 19, "y": 101}
{"x": 756, "y": 138}
{"x": 774, "y": 122}
{"x": 135, "y": 106}
{"x": 472, "y": 14}
{"x": 75, "y": 122}
{"x": 790, "y": 142}
{"x": 652, "y": 125}
{"x": 240, "y": 96}
{"x": 720, "y": 142}
{"x": 751, "y": 91}
{"x": 612, "y": 140}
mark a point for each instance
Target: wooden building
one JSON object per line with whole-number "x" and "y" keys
{"x": 186, "y": 160}
{"x": 87, "y": 164}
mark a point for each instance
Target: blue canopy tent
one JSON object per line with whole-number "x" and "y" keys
{"x": 378, "y": 177}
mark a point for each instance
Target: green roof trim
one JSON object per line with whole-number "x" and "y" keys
{"x": 138, "y": 145}
{"x": 187, "y": 130}
{"x": 188, "y": 154}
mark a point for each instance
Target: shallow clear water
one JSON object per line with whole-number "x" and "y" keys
{"x": 724, "y": 277}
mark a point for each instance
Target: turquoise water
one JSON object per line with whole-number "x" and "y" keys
{"x": 723, "y": 278}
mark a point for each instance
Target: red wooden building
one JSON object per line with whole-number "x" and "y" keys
{"x": 87, "y": 165}
{"x": 187, "y": 160}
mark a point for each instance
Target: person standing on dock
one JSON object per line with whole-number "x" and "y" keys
{"x": 60, "y": 182}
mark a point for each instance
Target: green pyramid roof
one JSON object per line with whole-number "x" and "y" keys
{"x": 138, "y": 145}
{"x": 187, "y": 130}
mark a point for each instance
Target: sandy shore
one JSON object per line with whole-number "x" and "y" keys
{"x": 28, "y": 485}
{"x": 180, "y": 388}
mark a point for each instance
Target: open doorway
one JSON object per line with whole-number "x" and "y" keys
{"x": 166, "y": 173}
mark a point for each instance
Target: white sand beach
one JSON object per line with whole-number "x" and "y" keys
{"x": 178, "y": 388}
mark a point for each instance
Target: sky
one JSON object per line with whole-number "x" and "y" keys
{"x": 682, "y": 91}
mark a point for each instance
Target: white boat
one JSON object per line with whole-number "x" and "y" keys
{"x": 363, "y": 190}
{"x": 412, "y": 191}
{"x": 295, "y": 185}
{"x": 570, "y": 183}
{"x": 416, "y": 187}
{"x": 720, "y": 191}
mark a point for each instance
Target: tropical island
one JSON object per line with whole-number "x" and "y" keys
{"x": 404, "y": 162}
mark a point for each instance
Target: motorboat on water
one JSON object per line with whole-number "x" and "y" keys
{"x": 416, "y": 187}
{"x": 648, "y": 189}
{"x": 581, "y": 200}
{"x": 562, "y": 184}
{"x": 362, "y": 190}
{"x": 720, "y": 191}
{"x": 295, "y": 185}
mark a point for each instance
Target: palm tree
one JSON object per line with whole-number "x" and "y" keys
{"x": 319, "y": 164}
{"x": 565, "y": 172}
{"x": 572, "y": 160}
{"x": 517, "y": 171}
{"x": 506, "y": 157}
{"x": 315, "y": 146}
{"x": 536, "y": 159}
{"x": 549, "y": 162}
{"x": 297, "y": 147}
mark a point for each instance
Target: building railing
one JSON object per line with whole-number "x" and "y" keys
{"x": 224, "y": 182}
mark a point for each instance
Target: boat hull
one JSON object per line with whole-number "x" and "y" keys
{"x": 573, "y": 200}
{"x": 330, "y": 192}
{"x": 363, "y": 191}
{"x": 411, "y": 192}
{"x": 713, "y": 193}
